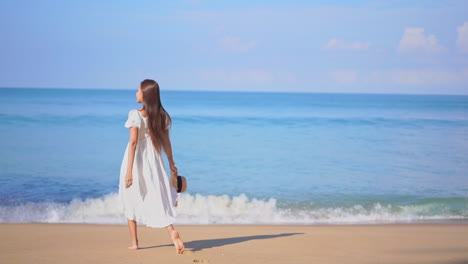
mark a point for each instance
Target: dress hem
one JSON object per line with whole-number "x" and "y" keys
{"x": 155, "y": 226}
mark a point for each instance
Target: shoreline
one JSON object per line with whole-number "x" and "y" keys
{"x": 413, "y": 222}
{"x": 236, "y": 243}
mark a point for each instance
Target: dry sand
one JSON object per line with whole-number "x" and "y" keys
{"x": 89, "y": 243}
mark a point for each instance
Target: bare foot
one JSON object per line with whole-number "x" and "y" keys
{"x": 134, "y": 246}
{"x": 179, "y": 245}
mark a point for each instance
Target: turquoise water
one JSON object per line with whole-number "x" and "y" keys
{"x": 250, "y": 157}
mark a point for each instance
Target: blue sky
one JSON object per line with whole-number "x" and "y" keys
{"x": 299, "y": 46}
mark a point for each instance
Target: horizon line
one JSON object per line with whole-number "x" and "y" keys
{"x": 230, "y": 91}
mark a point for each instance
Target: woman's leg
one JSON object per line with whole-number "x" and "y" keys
{"x": 132, "y": 226}
{"x": 178, "y": 243}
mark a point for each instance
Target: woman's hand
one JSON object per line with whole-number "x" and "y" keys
{"x": 173, "y": 168}
{"x": 128, "y": 180}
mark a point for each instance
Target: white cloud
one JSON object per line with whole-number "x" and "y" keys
{"x": 419, "y": 77}
{"x": 462, "y": 40}
{"x": 410, "y": 77}
{"x": 414, "y": 39}
{"x": 336, "y": 44}
{"x": 344, "y": 76}
{"x": 236, "y": 44}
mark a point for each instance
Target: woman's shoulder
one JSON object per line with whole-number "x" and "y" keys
{"x": 133, "y": 112}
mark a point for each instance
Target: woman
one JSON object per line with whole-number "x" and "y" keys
{"x": 145, "y": 192}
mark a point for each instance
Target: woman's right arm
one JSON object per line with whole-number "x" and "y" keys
{"x": 131, "y": 154}
{"x": 168, "y": 149}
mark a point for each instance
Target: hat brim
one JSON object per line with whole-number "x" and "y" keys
{"x": 181, "y": 184}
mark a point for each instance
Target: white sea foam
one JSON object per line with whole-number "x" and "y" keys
{"x": 224, "y": 209}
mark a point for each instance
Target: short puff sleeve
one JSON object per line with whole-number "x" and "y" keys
{"x": 133, "y": 119}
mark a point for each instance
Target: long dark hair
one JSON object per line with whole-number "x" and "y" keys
{"x": 158, "y": 119}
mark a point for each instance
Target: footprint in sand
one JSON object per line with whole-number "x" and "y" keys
{"x": 188, "y": 252}
{"x": 201, "y": 260}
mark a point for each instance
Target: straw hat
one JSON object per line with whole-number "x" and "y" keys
{"x": 181, "y": 184}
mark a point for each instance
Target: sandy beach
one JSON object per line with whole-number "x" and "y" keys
{"x": 92, "y": 243}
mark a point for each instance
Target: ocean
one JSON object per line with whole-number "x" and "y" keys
{"x": 249, "y": 157}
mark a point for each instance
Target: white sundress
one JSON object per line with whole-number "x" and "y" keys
{"x": 151, "y": 198}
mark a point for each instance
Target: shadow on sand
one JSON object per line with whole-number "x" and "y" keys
{"x": 198, "y": 245}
